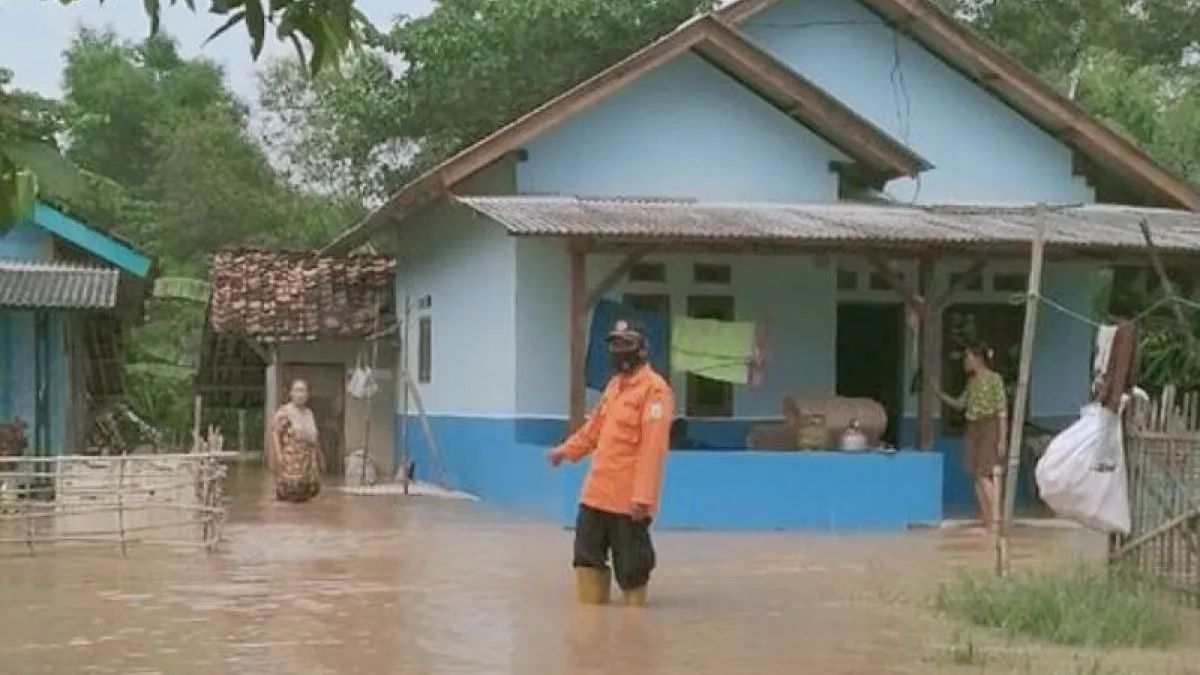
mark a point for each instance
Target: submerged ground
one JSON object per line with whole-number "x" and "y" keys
{"x": 419, "y": 585}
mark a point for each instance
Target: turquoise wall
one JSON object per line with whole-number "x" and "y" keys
{"x": 684, "y": 130}
{"x": 982, "y": 150}
{"x": 17, "y": 350}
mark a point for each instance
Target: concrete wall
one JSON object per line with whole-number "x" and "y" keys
{"x": 794, "y": 295}
{"x": 683, "y": 130}
{"x": 983, "y": 150}
{"x": 466, "y": 267}
{"x": 710, "y": 490}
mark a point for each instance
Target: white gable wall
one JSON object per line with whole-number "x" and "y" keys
{"x": 684, "y": 130}
{"x": 466, "y": 265}
{"x": 982, "y": 150}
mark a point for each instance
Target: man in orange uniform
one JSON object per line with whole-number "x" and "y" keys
{"x": 628, "y": 436}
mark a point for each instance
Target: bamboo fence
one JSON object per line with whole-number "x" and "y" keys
{"x": 172, "y": 499}
{"x": 1162, "y": 449}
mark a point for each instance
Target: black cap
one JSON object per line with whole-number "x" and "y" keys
{"x": 625, "y": 336}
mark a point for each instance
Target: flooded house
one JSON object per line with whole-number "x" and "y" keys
{"x": 274, "y": 317}
{"x": 69, "y": 291}
{"x": 857, "y": 180}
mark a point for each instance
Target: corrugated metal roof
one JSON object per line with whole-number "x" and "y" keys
{"x": 1094, "y": 227}
{"x": 57, "y": 285}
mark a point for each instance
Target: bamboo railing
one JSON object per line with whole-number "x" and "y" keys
{"x": 172, "y": 499}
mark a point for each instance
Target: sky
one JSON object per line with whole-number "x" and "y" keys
{"x": 34, "y": 33}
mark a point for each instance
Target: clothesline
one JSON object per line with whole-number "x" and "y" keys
{"x": 1079, "y": 316}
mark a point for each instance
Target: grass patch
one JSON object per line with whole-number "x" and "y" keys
{"x": 1082, "y": 607}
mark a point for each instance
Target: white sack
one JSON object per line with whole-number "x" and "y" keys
{"x": 1082, "y": 475}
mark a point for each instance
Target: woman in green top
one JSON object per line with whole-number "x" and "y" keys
{"x": 986, "y": 409}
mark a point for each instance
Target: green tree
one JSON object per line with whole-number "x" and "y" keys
{"x": 467, "y": 68}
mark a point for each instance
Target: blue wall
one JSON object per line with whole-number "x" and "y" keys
{"x": 683, "y": 130}
{"x": 17, "y": 395}
{"x": 982, "y": 150}
{"x": 504, "y": 462}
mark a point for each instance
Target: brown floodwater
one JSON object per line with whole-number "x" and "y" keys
{"x": 351, "y": 584}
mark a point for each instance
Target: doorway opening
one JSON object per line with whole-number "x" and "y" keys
{"x": 327, "y": 399}
{"x": 705, "y": 397}
{"x": 870, "y": 358}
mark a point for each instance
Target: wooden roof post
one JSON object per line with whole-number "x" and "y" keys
{"x": 576, "y": 333}
{"x": 930, "y": 342}
{"x": 1021, "y": 396}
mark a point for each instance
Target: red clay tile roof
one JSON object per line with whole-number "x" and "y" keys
{"x": 286, "y": 297}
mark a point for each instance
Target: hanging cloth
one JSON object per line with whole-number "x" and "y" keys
{"x": 362, "y": 383}
{"x": 717, "y": 350}
{"x": 1122, "y": 371}
{"x": 762, "y": 355}
{"x": 604, "y": 316}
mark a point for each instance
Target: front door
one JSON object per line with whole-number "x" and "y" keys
{"x": 326, "y": 393}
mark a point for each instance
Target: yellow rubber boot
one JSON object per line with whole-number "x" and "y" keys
{"x": 635, "y": 597}
{"x": 592, "y": 586}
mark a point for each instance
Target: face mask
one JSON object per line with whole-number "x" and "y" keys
{"x": 624, "y": 362}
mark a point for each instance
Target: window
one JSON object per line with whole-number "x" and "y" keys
{"x": 648, "y": 273}
{"x": 707, "y": 273}
{"x": 960, "y": 281}
{"x": 880, "y": 282}
{"x": 705, "y": 397}
{"x": 1008, "y": 283}
{"x": 847, "y": 280}
{"x": 425, "y": 350}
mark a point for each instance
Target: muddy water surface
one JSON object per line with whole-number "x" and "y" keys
{"x": 392, "y": 585}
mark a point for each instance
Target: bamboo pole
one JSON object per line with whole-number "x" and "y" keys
{"x": 402, "y": 387}
{"x": 1021, "y": 396}
{"x": 121, "y": 502}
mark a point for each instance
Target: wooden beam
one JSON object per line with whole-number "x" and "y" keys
{"x": 972, "y": 272}
{"x": 1168, "y": 288}
{"x": 913, "y": 297}
{"x": 1021, "y": 396}
{"x": 613, "y": 278}
{"x": 576, "y": 333}
{"x": 930, "y": 348}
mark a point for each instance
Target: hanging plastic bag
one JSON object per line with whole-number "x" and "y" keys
{"x": 362, "y": 382}
{"x": 1082, "y": 474}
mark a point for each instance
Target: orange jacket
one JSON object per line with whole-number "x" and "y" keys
{"x": 628, "y": 436}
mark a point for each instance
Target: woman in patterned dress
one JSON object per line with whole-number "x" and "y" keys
{"x": 298, "y": 457}
{"x": 985, "y": 406}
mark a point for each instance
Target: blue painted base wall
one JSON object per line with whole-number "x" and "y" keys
{"x": 503, "y": 462}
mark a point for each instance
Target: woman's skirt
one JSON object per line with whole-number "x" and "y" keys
{"x": 982, "y": 447}
{"x": 297, "y": 478}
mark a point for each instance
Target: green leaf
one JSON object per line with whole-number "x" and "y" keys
{"x": 256, "y": 25}
{"x": 234, "y": 19}
{"x": 153, "y": 10}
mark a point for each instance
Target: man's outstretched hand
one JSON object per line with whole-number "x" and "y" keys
{"x": 556, "y": 457}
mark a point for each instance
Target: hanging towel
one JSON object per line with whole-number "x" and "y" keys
{"x": 1104, "y": 343}
{"x": 717, "y": 350}
{"x": 605, "y": 315}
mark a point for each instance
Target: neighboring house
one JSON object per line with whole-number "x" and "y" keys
{"x": 68, "y": 293}
{"x": 793, "y": 162}
{"x": 275, "y": 317}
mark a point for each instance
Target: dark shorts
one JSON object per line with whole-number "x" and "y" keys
{"x": 598, "y": 532}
